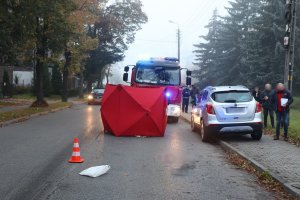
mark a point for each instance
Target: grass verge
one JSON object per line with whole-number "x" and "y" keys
{"x": 32, "y": 97}
{"x": 26, "y": 112}
{"x": 4, "y": 103}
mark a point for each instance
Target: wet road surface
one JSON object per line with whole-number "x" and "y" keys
{"x": 34, "y": 155}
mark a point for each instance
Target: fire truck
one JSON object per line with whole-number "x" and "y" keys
{"x": 161, "y": 72}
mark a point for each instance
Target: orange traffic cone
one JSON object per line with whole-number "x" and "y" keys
{"x": 76, "y": 158}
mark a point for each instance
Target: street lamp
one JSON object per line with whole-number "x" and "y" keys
{"x": 178, "y": 37}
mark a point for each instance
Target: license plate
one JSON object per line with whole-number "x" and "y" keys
{"x": 235, "y": 110}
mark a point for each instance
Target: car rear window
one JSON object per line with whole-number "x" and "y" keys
{"x": 232, "y": 96}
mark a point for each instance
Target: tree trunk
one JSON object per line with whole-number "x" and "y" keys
{"x": 107, "y": 75}
{"x": 40, "y": 101}
{"x": 81, "y": 84}
{"x": 100, "y": 83}
{"x": 39, "y": 81}
{"x": 89, "y": 86}
{"x": 66, "y": 76}
{"x": 41, "y": 51}
{"x": 64, "y": 96}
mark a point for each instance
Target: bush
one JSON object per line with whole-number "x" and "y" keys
{"x": 73, "y": 93}
{"x": 22, "y": 90}
{"x": 6, "y": 85}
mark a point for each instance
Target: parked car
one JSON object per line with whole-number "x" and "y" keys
{"x": 96, "y": 96}
{"x": 227, "y": 109}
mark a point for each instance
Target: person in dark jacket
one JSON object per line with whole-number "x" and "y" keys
{"x": 257, "y": 94}
{"x": 186, "y": 93}
{"x": 194, "y": 94}
{"x": 266, "y": 97}
{"x": 281, "y": 101}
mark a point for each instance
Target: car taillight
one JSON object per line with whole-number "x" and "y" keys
{"x": 258, "y": 107}
{"x": 210, "y": 109}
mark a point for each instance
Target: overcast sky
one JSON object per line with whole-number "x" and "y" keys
{"x": 158, "y": 37}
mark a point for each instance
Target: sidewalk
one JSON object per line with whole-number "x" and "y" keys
{"x": 280, "y": 158}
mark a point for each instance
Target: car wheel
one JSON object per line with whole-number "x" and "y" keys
{"x": 176, "y": 119}
{"x": 204, "y": 133}
{"x": 256, "y": 135}
{"x": 173, "y": 119}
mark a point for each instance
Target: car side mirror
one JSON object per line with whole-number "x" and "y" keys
{"x": 188, "y": 73}
{"x": 188, "y": 81}
{"x": 126, "y": 69}
{"x": 125, "y": 77}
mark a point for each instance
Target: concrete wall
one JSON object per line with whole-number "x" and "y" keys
{"x": 25, "y": 77}
{"x": 26, "y": 72}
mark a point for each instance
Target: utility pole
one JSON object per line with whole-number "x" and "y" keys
{"x": 289, "y": 42}
{"x": 178, "y": 38}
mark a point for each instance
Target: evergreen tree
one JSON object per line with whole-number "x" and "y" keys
{"x": 245, "y": 46}
{"x": 6, "y": 84}
{"x": 207, "y": 54}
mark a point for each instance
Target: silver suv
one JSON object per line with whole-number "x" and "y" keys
{"x": 227, "y": 109}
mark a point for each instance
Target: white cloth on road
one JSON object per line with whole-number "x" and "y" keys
{"x": 95, "y": 171}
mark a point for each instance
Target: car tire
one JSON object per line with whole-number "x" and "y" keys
{"x": 176, "y": 119}
{"x": 257, "y": 135}
{"x": 204, "y": 133}
{"x": 173, "y": 119}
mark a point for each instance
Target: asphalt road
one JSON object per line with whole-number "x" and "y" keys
{"x": 34, "y": 155}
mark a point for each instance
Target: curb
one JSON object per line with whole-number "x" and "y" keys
{"x": 288, "y": 187}
{"x": 185, "y": 119}
{"x": 22, "y": 119}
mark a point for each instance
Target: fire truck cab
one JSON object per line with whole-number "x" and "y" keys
{"x": 160, "y": 72}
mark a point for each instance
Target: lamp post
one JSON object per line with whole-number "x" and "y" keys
{"x": 178, "y": 37}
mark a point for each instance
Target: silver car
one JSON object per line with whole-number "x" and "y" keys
{"x": 227, "y": 109}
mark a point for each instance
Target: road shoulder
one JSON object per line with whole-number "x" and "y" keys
{"x": 262, "y": 157}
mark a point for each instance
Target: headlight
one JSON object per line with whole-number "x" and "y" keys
{"x": 90, "y": 97}
{"x": 195, "y": 110}
{"x": 168, "y": 94}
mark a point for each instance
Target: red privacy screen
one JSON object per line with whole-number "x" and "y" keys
{"x": 131, "y": 111}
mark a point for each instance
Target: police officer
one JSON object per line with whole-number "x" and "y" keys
{"x": 186, "y": 93}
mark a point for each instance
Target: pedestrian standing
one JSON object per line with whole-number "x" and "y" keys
{"x": 194, "y": 94}
{"x": 267, "y": 104}
{"x": 256, "y": 94}
{"x": 282, "y": 100}
{"x": 186, "y": 93}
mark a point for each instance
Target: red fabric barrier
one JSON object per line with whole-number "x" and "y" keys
{"x": 131, "y": 111}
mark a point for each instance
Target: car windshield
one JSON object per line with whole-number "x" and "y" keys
{"x": 232, "y": 96}
{"x": 98, "y": 91}
{"x": 158, "y": 75}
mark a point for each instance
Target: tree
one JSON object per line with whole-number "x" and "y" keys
{"x": 249, "y": 46}
{"x": 115, "y": 30}
{"x": 76, "y": 51}
{"x": 6, "y": 85}
{"x": 208, "y": 53}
